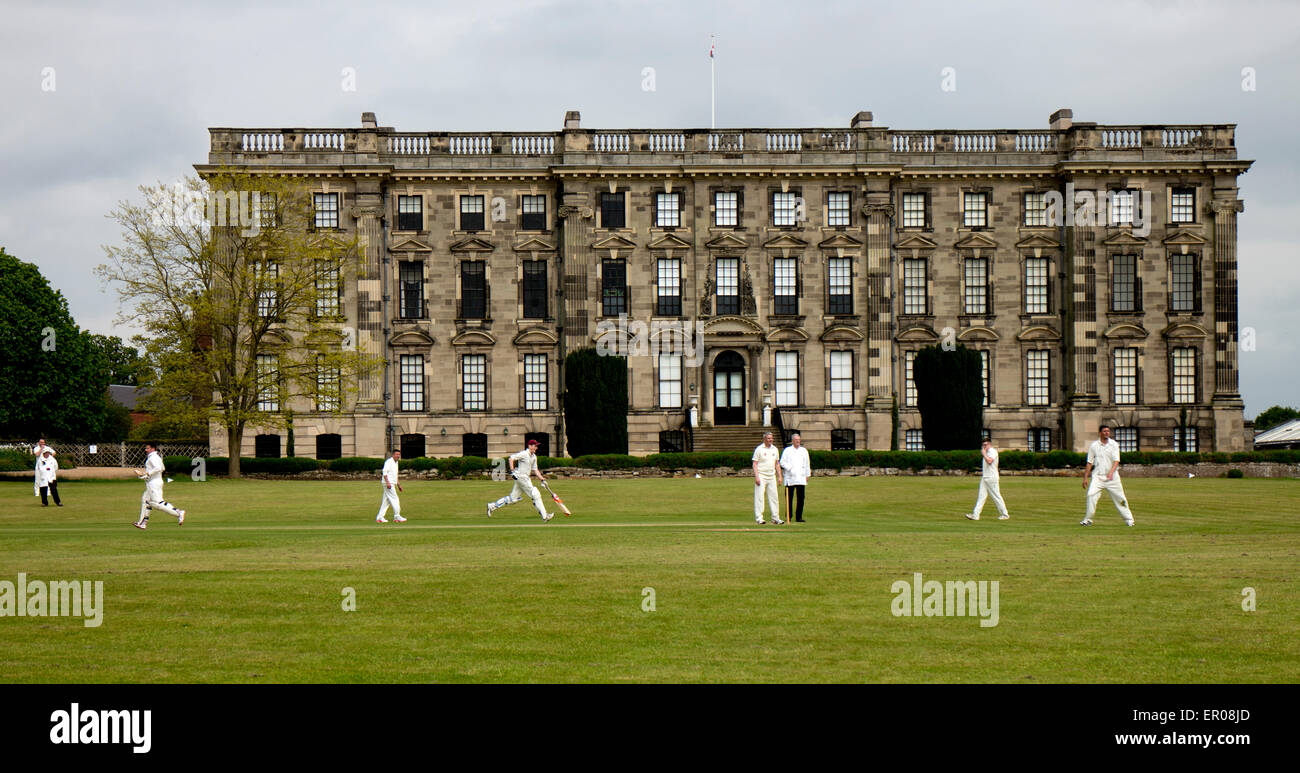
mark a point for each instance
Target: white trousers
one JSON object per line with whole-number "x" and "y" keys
{"x": 390, "y": 500}
{"x": 152, "y": 499}
{"x": 990, "y": 487}
{"x": 768, "y": 489}
{"x": 523, "y": 488}
{"x": 1116, "y": 491}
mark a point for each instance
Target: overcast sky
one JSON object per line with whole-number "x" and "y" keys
{"x": 135, "y": 87}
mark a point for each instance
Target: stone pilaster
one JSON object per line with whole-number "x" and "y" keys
{"x": 879, "y": 214}
{"x": 371, "y": 287}
{"x": 1225, "y": 296}
{"x": 576, "y": 270}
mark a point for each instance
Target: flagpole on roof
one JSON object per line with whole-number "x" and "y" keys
{"x": 713, "y": 86}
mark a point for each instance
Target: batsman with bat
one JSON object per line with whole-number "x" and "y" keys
{"x": 523, "y": 465}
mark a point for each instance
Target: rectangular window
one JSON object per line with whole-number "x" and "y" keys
{"x": 840, "y": 286}
{"x": 915, "y": 289}
{"x": 1184, "y": 282}
{"x": 843, "y": 440}
{"x": 1123, "y": 283}
{"x": 471, "y": 213}
{"x": 410, "y": 289}
{"x": 670, "y": 381}
{"x": 909, "y": 383}
{"x": 1040, "y": 439}
{"x": 267, "y": 277}
{"x": 1038, "y": 378}
{"x": 783, "y": 209}
{"x": 1036, "y": 209}
{"x": 672, "y": 441}
{"x": 1121, "y": 207}
{"x": 838, "y": 209}
{"x": 1127, "y": 437}
{"x": 668, "y": 213}
{"x": 841, "y": 378}
{"x": 327, "y": 210}
{"x": 668, "y": 301}
{"x": 728, "y": 283}
{"x": 411, "y": 368}
{"x": 267, "y": 207}
{"x": 327, "y": 385}
{"x": 534, "y": 213}
{"x": 473, "y": 289}
{"x": 726, "y": 208}
{"x": 1036, "y": 286}
{"x": 1182, "y": 205}
{"x": 787, "y": 379}
{"x": 613, "y": 214}
{"x": 327, "y": 289}
{"x": 975, "y": 210}
{"x": 535, "y": 382}
{"x": 613, "y": 287}
{"x": 473, "y": 382}
{"x": 535, "y": 289}
{"x": 1185, "y": 439}
{"x": 268, "y": 383}
{"x": 914, "y": 440}
{"x": 914, "y": 208}
{"x": 410, "y": 213}
{"x": 785, "y": 286}
{"x": 474, "y": 444}
{"x": 1184, "y": 375}
{"x": 977, "y": 285}
{"x": 1125, "y": 376}
{"x": 984, "y": 373}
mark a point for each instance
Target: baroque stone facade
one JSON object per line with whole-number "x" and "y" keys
{"x": 1093, "y": 266}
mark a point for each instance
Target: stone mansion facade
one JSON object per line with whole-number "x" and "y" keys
{"x": 1094, "y": 267}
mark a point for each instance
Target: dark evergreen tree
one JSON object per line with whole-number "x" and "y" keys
{"x": 950, "y": 397}
{"x": 595, "y": 403}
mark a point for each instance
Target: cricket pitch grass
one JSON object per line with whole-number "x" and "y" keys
{"x": 657, "y": 580}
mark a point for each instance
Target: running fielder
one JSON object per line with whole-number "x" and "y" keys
{"x": 391, "y": 486}
{"x": 523, "y": 465}
{"x": 152, "y": 499}
{"x": 1102, "y": 474}
{"x": 989, "y": 483}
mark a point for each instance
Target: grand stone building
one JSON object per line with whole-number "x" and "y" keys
{"x": 807, "y": 267}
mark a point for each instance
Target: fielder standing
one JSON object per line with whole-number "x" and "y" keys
{"x": 1102, "y": 473}
{"x": 523, "y": 465}
{"x": 38, "y": 451}
{"x": 797, "y": 468}
{"x": 47, "y": 474}
{"x": 767, "y": 477}
{"x": 989, "y": 483}
{"x": 152, "y": 499}
{"x": 391, "y": 486}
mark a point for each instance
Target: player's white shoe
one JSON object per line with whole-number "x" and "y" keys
{"x": 139, "y": 524}
{"x": 972, "y": 516}
{"x": 760, "y": 523}
{"x": 777, "y": 521}
{"x": 381, "y": 519}
{"x": 398, "y": 519}
{"x": 547, "y": 517}
{"x": 490, "y": 508}
{"x": 180, "y": 517}
{"x": 1003, "y": 517}
{"x": 1085, "y": 522}
{"x": 1128, "y": 523}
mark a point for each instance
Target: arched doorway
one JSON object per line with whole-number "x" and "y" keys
{"x": 728, "y": 389}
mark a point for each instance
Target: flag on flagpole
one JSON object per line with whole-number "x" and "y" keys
{"x": 712, "y": 44}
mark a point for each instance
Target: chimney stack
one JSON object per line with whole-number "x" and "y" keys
{"x": 572, "y": 120}
{"x": 1061, "y": 119}
{"x": 861, "y": 121}
{"x": 368, "y": 121}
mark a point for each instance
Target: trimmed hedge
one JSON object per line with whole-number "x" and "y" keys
{"x": 460, "y": 466}
{"x": 14, "y": 460}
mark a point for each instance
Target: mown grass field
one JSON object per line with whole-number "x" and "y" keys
{"x": 251, "y": 588}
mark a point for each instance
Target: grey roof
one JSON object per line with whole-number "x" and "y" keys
{"x": 1283, "y": 433}
{"x": 127, "y": 396}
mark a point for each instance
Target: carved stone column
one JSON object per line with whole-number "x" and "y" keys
{"x": 1225, "y": 296}
{"x": 576, "y": 270}
{"x": 371, "y": 287}
{"x": 879, "y": 293}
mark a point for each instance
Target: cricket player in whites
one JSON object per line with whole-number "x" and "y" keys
{"x": 152, "y": 499}
{"x": 391, "y": 487}
{"x": 523, "y": 465}
{"x": 767, "y": 479}
{"x": 1102, "y": 473}
{"x": 989, "y": 484}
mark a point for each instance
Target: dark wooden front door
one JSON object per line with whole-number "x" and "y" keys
{"x": 728, "y": 389}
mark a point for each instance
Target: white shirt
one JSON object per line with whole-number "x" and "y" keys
{"x": 796, "y": 466}
{"x": 524, "y": 464}
{"x": 46, "y": 470}
{"x": 767, "y": 458}
{"x": 1103, "y": 457}
{"x": 989, "y": 471}
{"x": 390, "y": 472}
{"x": 153, "y": 469}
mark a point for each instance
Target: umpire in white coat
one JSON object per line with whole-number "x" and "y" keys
{"x": 797, "y": 468}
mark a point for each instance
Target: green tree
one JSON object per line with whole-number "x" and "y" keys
{"x": 122, "y": 360}
{"x": 595, "y": 403}
{"x": 53, "y": 377}
{"x": 1274, "y": 416}
{"x": 241, "y": 308}
{"x": 950, "y": 397}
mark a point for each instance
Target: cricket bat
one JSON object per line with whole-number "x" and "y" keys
{"x": 558, "y": 501}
